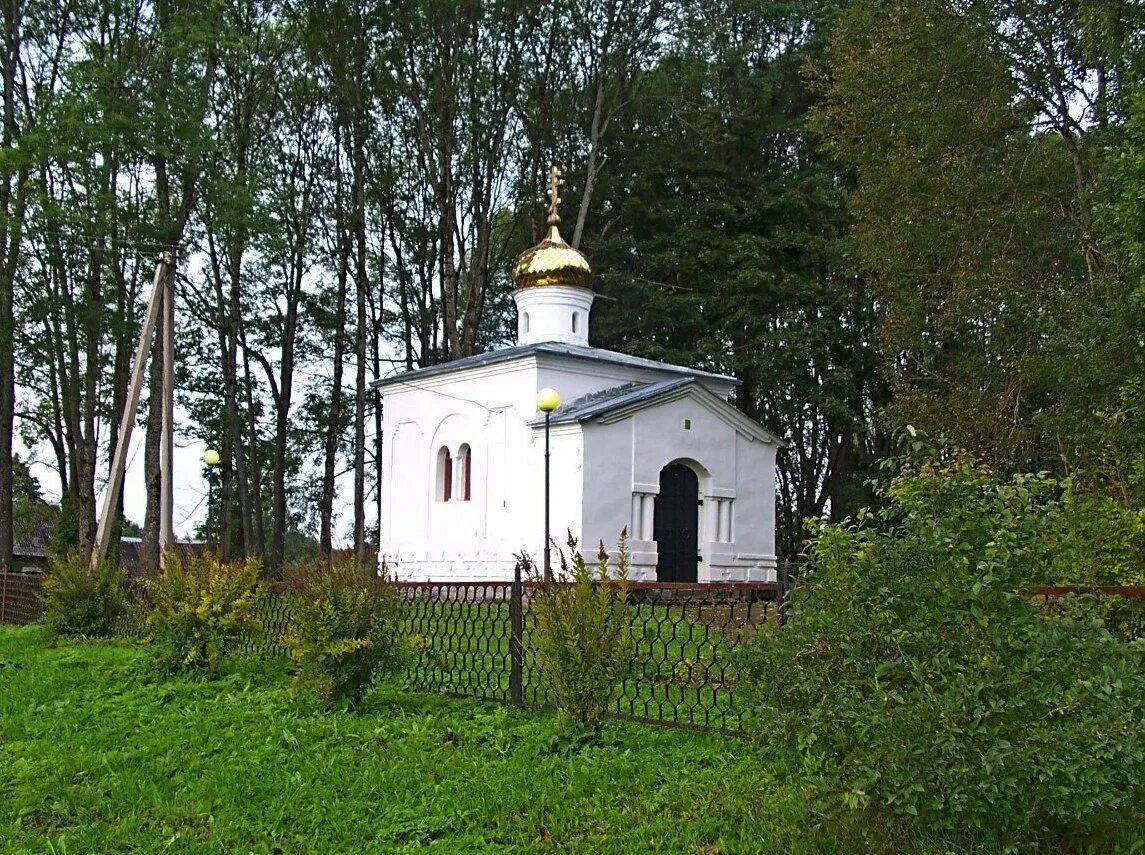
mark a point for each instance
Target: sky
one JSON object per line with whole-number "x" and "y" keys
{"x": 190, "y": 485}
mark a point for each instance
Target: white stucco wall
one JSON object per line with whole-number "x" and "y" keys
{"x": 489, "y": 409}
{"x": 595, "y": 470}
{"x": 623, "y": 460}
{"x": 425, "y": 538}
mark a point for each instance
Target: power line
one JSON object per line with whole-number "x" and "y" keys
{"x": 397, "y": 379}
{"x": 86, "y": 242}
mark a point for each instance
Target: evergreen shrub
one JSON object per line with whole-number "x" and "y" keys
{"x": 80, "y": 600}
{"x": 583, "y": 632}
{"x": 201, "y": 609}
{"x": 346, "y": 631}
{"x": 921, "y": 682}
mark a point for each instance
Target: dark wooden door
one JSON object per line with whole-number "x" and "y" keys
{"x": 674, "y": 524}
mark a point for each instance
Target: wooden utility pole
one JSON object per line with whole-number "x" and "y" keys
{"x": 167, "y": 446}
{"x": 127, "y": 420}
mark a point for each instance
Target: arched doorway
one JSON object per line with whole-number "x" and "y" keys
{"x": 675, "y": 523}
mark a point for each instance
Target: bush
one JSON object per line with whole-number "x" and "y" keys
{"x": 919, "y": 683}
{"x": 583, "y": 632}
{"x": 201, "y": 609}
{"x": 346, "y": 632}
{"x": 80, "y": 600}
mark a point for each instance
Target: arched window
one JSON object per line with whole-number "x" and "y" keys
{"x": 525, "y": 322}
{"x": 465, "y": 460}
{"x": 575, "y": 320}
{"x": 444, "y": 475}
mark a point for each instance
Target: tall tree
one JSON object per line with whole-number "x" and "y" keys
{"x": 183, "y": 61}
{"x": 292, "y": 207}
{"x": 243, "y": 115}
{"x": 975, "y": 133}
{"x": 13, "y": 202}
{"x": 721, "y": 232}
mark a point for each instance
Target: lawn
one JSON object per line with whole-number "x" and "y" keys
{"x": 99, "y": 755}
{"x": 681, "y": 669}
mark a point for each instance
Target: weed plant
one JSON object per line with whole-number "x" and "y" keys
{"x": 81, "y": 600}
{"x": 201, "y": 610}
{"x": 346, "y": 632}
{"x": 583, "y": 631}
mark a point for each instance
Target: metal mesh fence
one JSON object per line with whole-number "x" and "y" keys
{"x": 1120, "y": 609}
{"x": 478, "y": 639}
{"x": 461, "y": 634}
{"x": 681, "y": 671}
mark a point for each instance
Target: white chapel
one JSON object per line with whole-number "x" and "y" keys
{"x": 634, "y": 443}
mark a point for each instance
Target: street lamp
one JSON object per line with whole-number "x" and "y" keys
{"x": 547, "y": 401}
{"x": 211, "y": 458}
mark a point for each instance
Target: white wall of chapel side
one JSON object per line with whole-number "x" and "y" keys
{"x": 604, "y": 475}
{"x": 424, "y": 538}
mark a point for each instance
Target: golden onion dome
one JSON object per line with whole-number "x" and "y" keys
{"x": 552, "y": 261}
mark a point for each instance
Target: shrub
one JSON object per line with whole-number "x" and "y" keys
{"x": 918, "y": 682}
{"x": 201, "y": 608}
{"x": 346, "y": 632}
{"x": 583, "y": 631}
{"x": 80, "y": 600}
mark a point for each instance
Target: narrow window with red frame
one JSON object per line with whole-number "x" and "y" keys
{"x": 465, "y": 455}
{"x": 444, "y": 475}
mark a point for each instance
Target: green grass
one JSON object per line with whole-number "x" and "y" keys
{"x": 97, "y": 754}
{"x": 681, "y": 667}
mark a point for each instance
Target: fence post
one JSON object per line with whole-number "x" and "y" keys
{"x": 516, "y": 631}
{"x": 3, "y": 596}
{"x": 781, "y": 570}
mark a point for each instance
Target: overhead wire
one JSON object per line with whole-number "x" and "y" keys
{"x": 86, "y": 241}
{"x": 397, "y": 379}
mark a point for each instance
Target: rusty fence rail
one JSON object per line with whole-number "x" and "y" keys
{"x": 20, "y": 597}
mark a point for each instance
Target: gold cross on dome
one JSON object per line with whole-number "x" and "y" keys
{"x": 555, "y": 182}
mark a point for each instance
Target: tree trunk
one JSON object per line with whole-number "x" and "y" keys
{"x": 11, "y": 219}
{"x": 592, "y": 169}
{"x": 282, "y": 415}
{"x": 124, "y": 309}
{"x": 251, "y": 543}
{"x": 149, "y": 548}
{"x": 449, "y": 275}
{"x": 254, "y": 457}
{"x": 377, "y": 319}
{"x": 361, "y": 283}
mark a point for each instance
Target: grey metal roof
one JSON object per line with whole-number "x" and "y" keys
{"x": 550, "y": 348}
{"x": 606, "y": 400}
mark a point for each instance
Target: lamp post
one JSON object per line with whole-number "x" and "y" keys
{"x": 211, "y": 458}
{"x": 547, "y": 401}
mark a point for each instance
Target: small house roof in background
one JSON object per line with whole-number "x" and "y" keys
{"x": 131, "y": 548}
{"x": 37, "y": 544}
